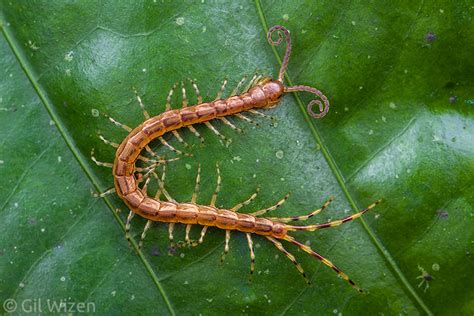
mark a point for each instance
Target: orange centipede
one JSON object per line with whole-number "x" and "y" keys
{"x": 262, "y": 93}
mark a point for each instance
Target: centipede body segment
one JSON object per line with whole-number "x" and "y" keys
{"x": 262, "y": 94}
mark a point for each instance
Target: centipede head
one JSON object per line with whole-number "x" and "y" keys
{"x": 273, "y": 90}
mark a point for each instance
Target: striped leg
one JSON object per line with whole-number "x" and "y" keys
{"x": 333, "y": 223}
{"x": 246, "y": 119}
{"x": 233, "y": 93}
{"x": 100, "y": 163}
{"x": 289, "y": 256}
{"x": 221, "y": 91}
{"x": 142, "y": 238}
{"x": 252, "y": 255}
{"x": 226, "y": 247}
{"x": 161, "y": 186}
{"x": 127, "y": 226}
{"x": 105, "y": 193}
{"x": 199, "y": 101}
{"x": 301, "y": 218}
{"x": 215, "y": 131}
{"x": 128, "y": 129}
{"x": 236, "y": 90}
{"x": 117, "y": 123}
{"x": 246, "y": 202}
{"x": 170, "y": 234}
{"x": 271, "y": 208}
{"x": 194, "y": 199}
{"x": 108, "y": 142}
{"x": 209, "y": 125}
{"x": 218, "y": 187}
{"x": 162, "y": 140}
{"x": 325, "y": 261}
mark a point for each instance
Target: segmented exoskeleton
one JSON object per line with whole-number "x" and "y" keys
{"x": 263, "y": 94}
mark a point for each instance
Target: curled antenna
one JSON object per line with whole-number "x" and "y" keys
{"x": 323, "y": 109}
{"x": 324, "y": 105}
{"x": 281, "y": 29}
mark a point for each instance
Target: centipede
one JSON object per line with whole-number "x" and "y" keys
{"x": 131, "y": 180}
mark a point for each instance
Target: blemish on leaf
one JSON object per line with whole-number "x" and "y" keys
{"x": 180, "y": 21}
{"x": 442, "y": 214}
{"x": 453, "y": 99}
{"x": 69, "y": 56}
{"x": 95, "y": 112}
{"x": 430, "y": 37}
{"x": 279, "y": 154}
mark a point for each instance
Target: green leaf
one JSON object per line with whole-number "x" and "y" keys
{"x": 399, "y": 78}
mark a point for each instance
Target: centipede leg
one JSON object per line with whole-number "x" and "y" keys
{"x": 246, "y": 119}
{"x": 333, "y": 223}
{"x": 325, "y": 261}
{"x": 230, "y": 124}
{"x": 289, "y": 256}
{"x": 127, "y": 226}
{"x": 170, "y": 234}
{"x": 246, "y": 202}
{"x": 213, "y": 199}
{"x": 186, "y": 237}
{"x": 173, "y": 149}
{"x": 252, "y": 255}
{"x": 168, "y": 105}
{"x": 117, "y": 123}
{"x": 105, "y": 193}
{"x": 218, "y": 187}
{"x": 100, "y": 163}
{"x": 161, "y": 185}
{"x": 215, "y": 131}
{"x": 142, "y": 106}
{"x": 271, "y": 208}
{"x": 108, "y": 142}
{"x": 221, "y": 90}
{"x": 226, "y": 247}
{"x": 233, "y": 93}
{"x": 199, "y": 100}
{"x": 303, "y": 217}
{"x": 237, "y": 87}
{"x": 142, "y": 237}
{"x": 203, "y": 233}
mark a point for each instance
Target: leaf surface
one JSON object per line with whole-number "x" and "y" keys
{"x": 399, "y": 78}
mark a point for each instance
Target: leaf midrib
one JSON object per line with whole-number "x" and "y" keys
{"x": 27, "y": 69}
{"x": 337, "y": 173}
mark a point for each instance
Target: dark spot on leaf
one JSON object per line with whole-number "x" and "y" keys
{"x": 442, "y": 214}
{"x": 450, "y": 85}
{"x": 171, "y": 250}
{"x": 155, "y": 251}
{"x": 32, "y": 221}
{"x": 430, "y": 37}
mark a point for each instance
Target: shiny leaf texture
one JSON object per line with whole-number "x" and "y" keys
{"x": 399, "y": 75}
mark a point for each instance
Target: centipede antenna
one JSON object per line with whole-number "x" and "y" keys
{"x": 281, "y": 29}
{"x": 323, "y": 109}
